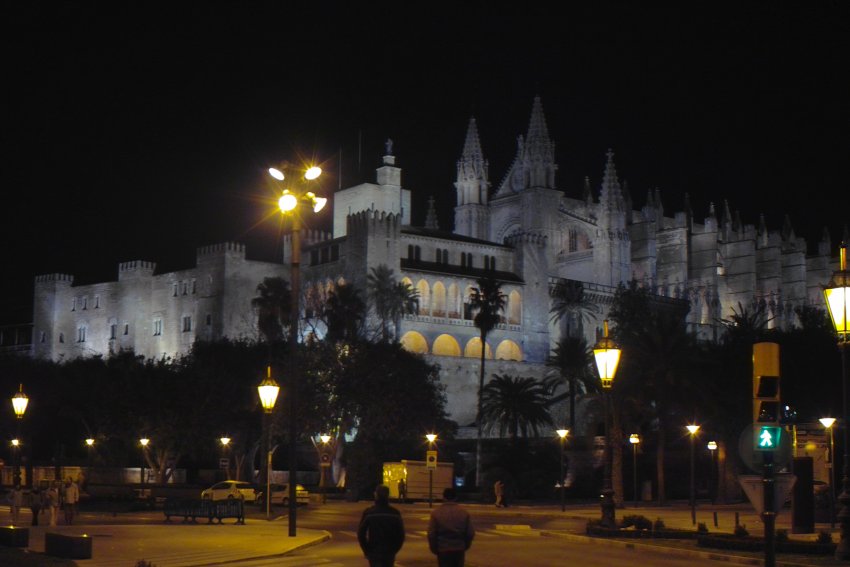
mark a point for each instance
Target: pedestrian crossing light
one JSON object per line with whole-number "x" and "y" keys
{"x": 769, "y": 438}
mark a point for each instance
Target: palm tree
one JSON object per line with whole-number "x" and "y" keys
{"x": 273, "y": 308}
{"x": 390, "y": 299}
{"x": 487, "y": 302}
{"x": 516, "y": 405}
{"x": 571, "y": 302}
{"x": 343, "y": 313}
{"x": 574, "y": 358}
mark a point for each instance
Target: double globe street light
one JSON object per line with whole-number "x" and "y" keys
{"x": 292, "y": 200}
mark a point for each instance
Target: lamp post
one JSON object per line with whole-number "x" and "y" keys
{"x": 828, "y": 422}
{"x": 144, "y": 443}
{"x": 607, "y": 355}
{"x": 268, "y": 391}
{"x": 712, "y": 449}
{"x": 225, "y": 444}
{"x": 324, "y": 465}
{"x": 634, "y": 439}
{"x": 431, "y": 439}
{"x": 837, "y": 294}
{"x": 19, "y": 406}
{"x": 692, "y": 430}
{"x": 562, "y": 434}
{"x": 89, "y": 449}
{"x": 290, "y": 204}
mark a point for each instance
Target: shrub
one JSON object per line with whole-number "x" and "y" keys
{"x": 702, "y": 528}
{"x": 741, "y": 530}
{"x": 781, "y": 536}
{"x": 824, "y": 537}
{"x": 639, "y": 522}
{"x": 658, "y": 525}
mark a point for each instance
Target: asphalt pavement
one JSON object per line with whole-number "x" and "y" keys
{"x": 121, "y": 544}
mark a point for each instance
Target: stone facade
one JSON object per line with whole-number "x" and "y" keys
{"x": 527, "y": 233}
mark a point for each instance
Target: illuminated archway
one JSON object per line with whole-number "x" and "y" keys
{"x": 414, "y": 342}
{"x": 438, "y": 309}
{"x": 473, "y": 349}
{"x": 453, "y": 303}
{"x": 508, "y": 350}
{"x": 424, "y": 297}
{"x": 446, "y": 345}
{"x": 514, "y": 308}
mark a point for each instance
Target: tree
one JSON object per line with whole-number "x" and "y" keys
{"x": 570, "y": 302}
{"x": 273, "y": 308}
{"x": 390, "y": 299}
{"x": 487, "y": 302}
{"x": 516, "y": 405}
{"x": 574, "y": 358}
{"x": 343, "y": 314}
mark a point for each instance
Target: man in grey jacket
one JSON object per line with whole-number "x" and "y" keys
{"x": 450, "y": 531}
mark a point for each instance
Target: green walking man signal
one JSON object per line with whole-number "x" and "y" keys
{"x": 768, "y": 438}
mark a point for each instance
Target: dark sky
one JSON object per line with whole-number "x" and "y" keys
{"x": 143, "y": 130}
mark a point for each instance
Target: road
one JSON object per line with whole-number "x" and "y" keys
{"x": 502, "y": 539}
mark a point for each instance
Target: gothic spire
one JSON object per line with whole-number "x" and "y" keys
{"x": 610, "y": 194}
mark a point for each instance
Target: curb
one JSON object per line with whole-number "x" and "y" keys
{"x": 711, "y": 555}
{"x": 326, "y": 535}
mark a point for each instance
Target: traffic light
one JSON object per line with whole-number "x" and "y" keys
{"x": 766, "y": 405}
{"x": 768, "y": 438}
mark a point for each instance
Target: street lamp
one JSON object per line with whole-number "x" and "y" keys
{"x": 431, "y": 437}
{"x": 712, "y": 448}
{"x": 607, "y": 355}
{"x": 324, "y": 465}
{"x": 291, "y": 200}
{"x": 225, "y": 443}
{"x": 828, "y": 422}
{"x": 144, "y": 443}
{"x": 562, "y": 434}
{"x": 89, "y": 448}
{"x": 19, "y": 406}
{"x": 692, "y": 430}
{"x": 634, "y": 439}
{"x": 837, "y": 293}
{"x": 268, "y": 391}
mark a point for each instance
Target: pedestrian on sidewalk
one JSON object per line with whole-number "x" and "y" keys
{"x": 72, "y": 496}
{"x": 16, "y": 500}
{"x": 35, "y": 504}
{"x": 402, "y": 490}
{"x": 499, "y": 489}
{"x": 450, "y": 531}
{"x": 52, "y": 498}
{"x": 381, "y": 530}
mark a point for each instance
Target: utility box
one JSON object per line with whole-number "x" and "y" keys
{"x": 418, "y": 478}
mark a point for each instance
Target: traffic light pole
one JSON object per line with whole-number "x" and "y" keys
{"x": 769, "y": 514}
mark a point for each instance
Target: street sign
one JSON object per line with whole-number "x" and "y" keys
{"x": 769, "y": 438}
{"x": 326, "y": 460}
{"x": 431, "y": 459}
{"x": 753, "y": 486}
{"x": 223, "y": 463}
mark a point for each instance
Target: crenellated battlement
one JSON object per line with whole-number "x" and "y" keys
{"x": 527, "y": 238}
{"x": 50, "y": 278}
{"x": 366, "y": 222}
{"x": 137, "y": 266}
{"x": 221, "y": 248}
{"x": 310, "y": 237}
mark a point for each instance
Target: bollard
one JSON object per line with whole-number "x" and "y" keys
{"x": 715, "y": 519}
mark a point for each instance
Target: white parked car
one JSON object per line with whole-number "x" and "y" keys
{"x": 280, "y": 494}
{"x": 230, "y": 489}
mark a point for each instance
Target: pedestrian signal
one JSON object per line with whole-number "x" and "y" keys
{"x": 769, "y": 438}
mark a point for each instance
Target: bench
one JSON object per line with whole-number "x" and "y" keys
{"x": 10, "y": 536}
{"x": 67, "y": 546}
{"x": 191, "y": 509}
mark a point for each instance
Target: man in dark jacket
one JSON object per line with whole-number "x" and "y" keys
{"x": 450, "y": 531}
{"x": 381, "y": 530}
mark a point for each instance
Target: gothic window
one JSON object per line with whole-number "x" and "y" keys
{"x": 453, "y": 302}
{"x": 424, "y": 297}
{"x": 193, "y": 287}
{"x": 445, "y": 256}
{"x": 514, "y": 308}
{"x": 113, "y": 331}
{"x": 410, "y": 251}
{"x": 463, "y": 259}
{"x": 61, "y": 337}
{"x": 126, "y": 329}
{"x": 185, "y": 288}
{"x": 157, "y": 327}
{"x": 97, "y": 302}
{"x": 439, "y": 256}
{"x": 573, "y": 242}
{"x": 174, "y": 291}
{"x": 85, "y": 303}
{"x": 187, "y": 323}
{"x": 439, "y": 305}
{"x": 73, "y": 304}
{"x": 417, "y": 252}
{"x": 81, "y": 334}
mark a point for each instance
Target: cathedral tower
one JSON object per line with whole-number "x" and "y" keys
{"x": 472, "y": 216}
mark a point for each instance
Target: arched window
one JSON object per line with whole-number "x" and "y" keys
{"x": 414, "y": 342}
{"x": 446, "y": 345}
{"x": 424, "y": 297}
{"x": 453, "y": 307}
{"x": 514, "y": 308}
{"x": 473, "y": 349}
{"x": 467, "y": 309}
{"x": 508, "y": 350}
{"x": 438, "y": 308}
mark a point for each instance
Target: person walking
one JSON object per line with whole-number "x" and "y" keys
{"x": 16, "y": 500}
{"x": 402, "y": 490}
{"x": 52, "y": 498}
{"x": 381, "y": 530}
{"x": 72, "y": 496}
{"x": 450, "y": 531}
{"x": 35, "y": 504}
{"x": 499, "y": 489}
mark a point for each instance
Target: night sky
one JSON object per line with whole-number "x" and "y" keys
{"x": 143, "y": 130}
